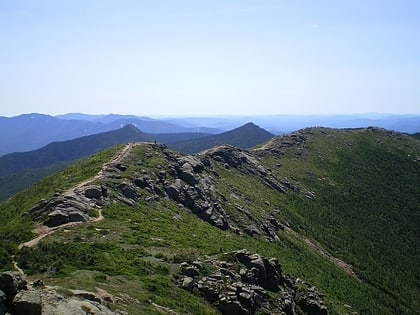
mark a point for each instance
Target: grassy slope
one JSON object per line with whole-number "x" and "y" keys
{"x": 16, "y": 227}
{"x": 416, "y": 135}
{"x": 367, "y": 205}
{"x": 15, "y": 182}
{"x": 134, "y": 252}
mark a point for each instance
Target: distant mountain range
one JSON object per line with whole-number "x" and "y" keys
{"x": 68, "y": 150}
{"x": 32, "y": 131}
{"x": 19, "y": 169}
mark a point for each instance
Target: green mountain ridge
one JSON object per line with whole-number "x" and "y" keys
{"x": 336, "y": 208}
{"x": 245, "y": 136}
{"x": 69, "y": 150}
{"x": 18, "y": 170}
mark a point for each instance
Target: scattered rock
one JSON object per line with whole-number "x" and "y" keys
{"x": 240, "y": 284}
{"x": 309, "y": 299}
{"x": 309, "y": 194}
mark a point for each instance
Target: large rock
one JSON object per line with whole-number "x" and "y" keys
{"x": 77, "y": 216}
{"x": 230, "y": 155}
{"x": 10, "y": 284}
{"x": 93, "y": 192}
{"x": 46, "y": 300}
{"x": 186, "y": 173}
{"x": 57, "y": 217}
{"x": 70, "y": 206}
{"x": 128, "y": 191}
{"x": 174, "y": 193}
{"x": 28, "y": 302}
{"x": 309, "y": 299}
{"x": 195, "y": 163}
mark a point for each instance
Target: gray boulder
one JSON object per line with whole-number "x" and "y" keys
{"x": 309, "y": 299}
{"x": 57, "y": 218}
{"x": 11, "y": 282}
{"x": 128, "y": 191}
{"x": 187, "y": 283}
{"x": 93, "y": 192}
{"x": 186, "y": 173}
{"x": 28, "y": 302}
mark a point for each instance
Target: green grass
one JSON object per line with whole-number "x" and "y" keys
{"x": 16, "y": 225}
{"x": 366, "y": 210}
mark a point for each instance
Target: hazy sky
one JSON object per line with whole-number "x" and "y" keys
{"x": 209, "y": 57}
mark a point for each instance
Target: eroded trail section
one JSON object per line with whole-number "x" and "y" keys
{"x": 72, "y": 206}
{"x": 336, "y": 261}
{"x": 115, "y": 160}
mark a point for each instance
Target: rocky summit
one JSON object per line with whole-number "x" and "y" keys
{"x": 318, "y": 221}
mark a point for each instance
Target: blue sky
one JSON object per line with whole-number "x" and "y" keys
{"x": 213, "y": 57}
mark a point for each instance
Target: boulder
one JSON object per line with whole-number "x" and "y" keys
{"x": 273, "y": 274}
{"x": 187, "y": 283}
{"x": 77, "y": 216}
{"x": 143, "y": 182}
{"x": 173, "y": 192}
{"x": 121, "y": 167}
{"x": 309, "y": 300}
{"x": 190, "y": 271}
{"x": 251, "y": 229}
{"x": 86, "y": 295}
{"x": 128, "y": 191}
{"x": 186, "y": 173}
{"x": 230, "y": 306}
{"x": 28, "y": 302}
{"x": 230, "y": 155}
{"x": 57, "y": 217}
{"x": 272, "y": 183}
{"x": 10, "y": 283}
{"x": 93, "y": 192}
{"x": 196, "y": 164}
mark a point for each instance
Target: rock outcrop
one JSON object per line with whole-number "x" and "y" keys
{"x": 188, "y": 180}
{"x": 244, "y": 283}
{"x": 19, "y": 298}
{"x": 68, "y": 207}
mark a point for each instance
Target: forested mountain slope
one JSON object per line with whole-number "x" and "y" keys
{"x": 318, "y": 221}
